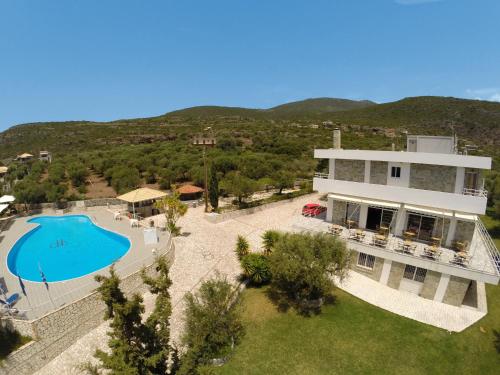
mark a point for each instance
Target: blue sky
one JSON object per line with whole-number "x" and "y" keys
{"x": 111, "y": 59}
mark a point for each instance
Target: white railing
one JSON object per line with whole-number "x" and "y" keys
{"x": 475, "y": 192}
{"x": 489, "y": 245}
{"x": 321, "y": 175}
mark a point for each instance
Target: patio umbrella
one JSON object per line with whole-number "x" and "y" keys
{"x": 7, "y": 199}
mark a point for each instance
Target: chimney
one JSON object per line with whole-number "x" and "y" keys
{"x": 336, "y": 139}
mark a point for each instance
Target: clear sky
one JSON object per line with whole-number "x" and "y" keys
{"x": 111, "y": 59}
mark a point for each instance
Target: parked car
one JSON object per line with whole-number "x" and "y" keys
{"x": 313, "y": 209}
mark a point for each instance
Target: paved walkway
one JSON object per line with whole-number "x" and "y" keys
{"x": 205, "y": 249}
{"x": 406, "y": 304}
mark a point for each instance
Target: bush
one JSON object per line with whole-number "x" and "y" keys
{"x": 242, "y": 247}
{"x": 213, "y": 324}
{"x": 256, "y": 268}
{"x": 302, "y": 266}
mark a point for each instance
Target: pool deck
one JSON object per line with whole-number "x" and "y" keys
{"x": 38, "y": 300}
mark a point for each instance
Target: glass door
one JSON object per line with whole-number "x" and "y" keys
{"x": 422, "y": 226}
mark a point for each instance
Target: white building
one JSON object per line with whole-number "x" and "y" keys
{"x": 45, "y": 156}
{"x": 411, "y": 218}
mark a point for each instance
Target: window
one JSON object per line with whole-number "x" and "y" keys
{"x": 415, "y": 273}
{"x": 396, "y": 172}
{"x": 366, "y": 261}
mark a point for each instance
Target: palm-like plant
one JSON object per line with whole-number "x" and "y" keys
{"x": 256, "y": 268}
{"x": 269, "y": 239}
{"x": 242, "y": 247}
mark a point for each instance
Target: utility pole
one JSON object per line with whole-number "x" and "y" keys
{"x": 205, "y": 140}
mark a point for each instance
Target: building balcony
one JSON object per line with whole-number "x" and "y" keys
{"x": 482, "y": 261}
{"x": 470, "y": 201}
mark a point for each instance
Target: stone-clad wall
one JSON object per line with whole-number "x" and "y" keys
{"x": 464, "y": 231}
{"x": 433, "y": 177}
{"x": 58, "y": 330}
{"x": 455, "y": 293}
{"x": 396, "y": 274}
{"x": 338, "y": 212}
{"x": 350, "y": 170}
{"x": 378, "y": 172}
{"x": 431, "y": 283}
{"x": 374, "y": 274}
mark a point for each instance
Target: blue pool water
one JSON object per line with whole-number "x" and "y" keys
{"x": 64, "y": 247}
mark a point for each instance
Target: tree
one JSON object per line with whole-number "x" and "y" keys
{"x": 213, "y": 188}
{"x": 242, "y": 247}
{"x": 124, "y": 178}
{"x": 269, "y": 240}
{"x": 29, "y": 192}
{"x": 302, "y": 266}
{"x": 239, "y": 186}
{"x": 160, "y": 349}
{"x": 78, "y": 173}
{"x": 111, "y": 293}
{"x": 174, "y": 209}
{"x": 137, "y": 347}
{"x": 256, "y": 268}
{"x": 283, "y": 179}
{"x": 213, "y": 324}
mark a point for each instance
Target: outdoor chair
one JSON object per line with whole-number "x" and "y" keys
{"x": 10, "y": 301}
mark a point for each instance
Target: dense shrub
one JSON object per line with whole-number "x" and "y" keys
{"x": 242, "y": 247}
{"x": 256, "y": 268}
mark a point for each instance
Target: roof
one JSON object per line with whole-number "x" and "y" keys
{"x": 4, "y": 169}
{"x": 189, "y": 189}
{"x": 3, "y": 207}
{"x": 142, "y": 194}
{"x": 25, "y": 155}
{"x": 7, "y": 199}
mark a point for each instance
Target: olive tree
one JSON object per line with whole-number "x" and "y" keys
{"x": 303, "y": 265}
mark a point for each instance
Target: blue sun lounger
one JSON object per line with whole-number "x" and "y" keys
{"x": 11, "y": 301}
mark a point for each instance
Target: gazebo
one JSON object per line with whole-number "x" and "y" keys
{"x": 141, "y": 201}
{"x": 189, "y": 192}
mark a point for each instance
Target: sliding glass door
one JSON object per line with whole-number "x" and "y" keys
{"x": 422, "y": 226}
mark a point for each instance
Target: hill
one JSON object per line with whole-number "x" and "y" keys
{"x": 474, "y": 120}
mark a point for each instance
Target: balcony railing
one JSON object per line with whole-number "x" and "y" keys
{"x": 482, "y": 255}
{"x": 475, "y": 192}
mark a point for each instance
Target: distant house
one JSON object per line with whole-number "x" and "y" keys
{"x": 24, "y": 158}
{"x": 45, "y": 156}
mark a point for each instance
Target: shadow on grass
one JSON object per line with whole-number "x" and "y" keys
{"x": 306, "y": 308}
{"x": 497, "y": 340}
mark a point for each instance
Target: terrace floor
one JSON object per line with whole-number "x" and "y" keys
{"x": 479, "y": 257}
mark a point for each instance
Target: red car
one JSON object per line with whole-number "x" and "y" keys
{"x": 313, "y": 209}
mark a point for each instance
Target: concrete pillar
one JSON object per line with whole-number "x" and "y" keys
{"x": 451, "y": 231}
{"x": 363, "y": 215}
{"x": 329, "y": 210}
{"x": 459, "y": 180}
{"x": 331, "y": 169}
{"x": 400, "y": 221}
{"x": 368, "y": 165}
{"x": 386, "y": 270}
{"x": 441, "y": 288}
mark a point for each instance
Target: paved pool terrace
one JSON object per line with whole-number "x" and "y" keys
{"x": 40, "y": 301}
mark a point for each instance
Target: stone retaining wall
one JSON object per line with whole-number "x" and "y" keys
{"x": 56, "y": 331}
{"x": 219, "y": 218}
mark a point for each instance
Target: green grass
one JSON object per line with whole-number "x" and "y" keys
{"x": 354, "y": 337}
{"x": 493, "y": 226}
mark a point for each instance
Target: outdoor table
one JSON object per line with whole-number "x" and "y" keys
{"x": 409, "y": 234}
{"x": 380, "y": 240}
{"x": 436, "y": 240}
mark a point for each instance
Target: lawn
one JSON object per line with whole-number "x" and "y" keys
{"x": 355, "y": 337}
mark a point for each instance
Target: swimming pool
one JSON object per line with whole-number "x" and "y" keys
{"x": 63, "y": 248}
